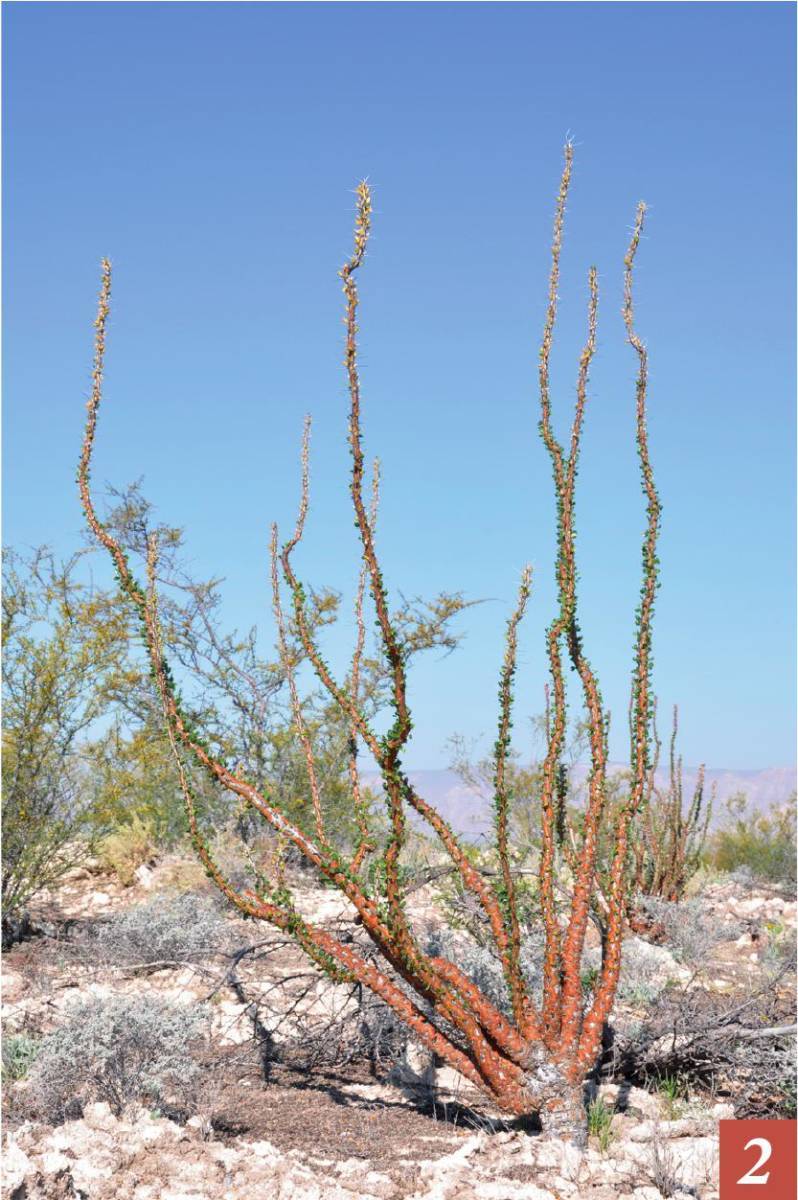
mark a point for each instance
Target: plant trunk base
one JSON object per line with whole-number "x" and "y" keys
{"x": 560, "y": 1104}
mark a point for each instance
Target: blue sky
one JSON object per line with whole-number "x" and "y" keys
{"x": 211, "y": 151}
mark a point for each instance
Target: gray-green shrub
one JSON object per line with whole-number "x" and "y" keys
{"x": 169, "y": 929}
{"x": 688, "y": 928}
{"x": 119, "y": 1050}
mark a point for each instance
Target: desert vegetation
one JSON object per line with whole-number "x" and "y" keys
{"x": 537, "y": 1060}
{"x": 221, "y": 933}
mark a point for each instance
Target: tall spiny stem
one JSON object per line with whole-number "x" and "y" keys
{"x": 642, "y": 703}
{"x": 556, "y": 733}
{"x": 501, "y": 802}
{"x": 286, "y": 657}
{"x": 562, "y": 982}
{"x": 364, "y": 845}
{"x": 642, "y": 696}
{"x": 384, "y": 750}
{"x": 399, "y": 732}
{"x": 597, "y": 719}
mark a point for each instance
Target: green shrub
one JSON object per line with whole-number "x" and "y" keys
{"x": 128, "y": 848}
{"x": 19, "y": 1054}
{"x": 61, "y": 641}
{"x": 765, "y": 843}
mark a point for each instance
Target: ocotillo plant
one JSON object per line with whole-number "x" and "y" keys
{"x": 669, "y": 841}
{"x": 534, "y": 1059}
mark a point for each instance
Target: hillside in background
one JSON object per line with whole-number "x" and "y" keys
{"x": 468, "y": 812}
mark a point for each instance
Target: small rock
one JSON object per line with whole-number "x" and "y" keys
{"x": 53, "y": 1161}
{"x": 643, "y": 1102}
{"x": 16, "y": 1165}
{"x": 648, "y": 1130}
{"x": 262, "y": 1149}
{"x": 75, "y": 873}
{"x": 12, "y": 983}
{"x": 152, "y": 1131}
{"x": 99, "y": 1116}
{"x": 144, "y": 876}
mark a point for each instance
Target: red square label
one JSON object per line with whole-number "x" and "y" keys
{"x": 758, "y": 1160}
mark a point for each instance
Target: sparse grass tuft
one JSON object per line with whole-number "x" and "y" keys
{"x": 673, "y": 1092}
{"x": 599, "y": 1122}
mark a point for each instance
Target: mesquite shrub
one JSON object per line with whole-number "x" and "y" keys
{"x": 536, "y": 1058}
{"x": 62, "y": 642}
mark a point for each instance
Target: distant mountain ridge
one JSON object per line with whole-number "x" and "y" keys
{"x": 468, "y": 812}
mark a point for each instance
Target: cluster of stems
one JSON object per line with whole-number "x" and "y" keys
{"x": 533, "y": 1056}
{"x": 669, "y": 839}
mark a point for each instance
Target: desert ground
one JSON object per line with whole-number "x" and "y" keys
{"x": 297, "y": 1090}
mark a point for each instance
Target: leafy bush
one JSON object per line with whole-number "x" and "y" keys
{"x": 132, "y": 771}
{"x": 763, "y": 843}
{"x": 61, "y": 642}
{"x": 117, "y": 1050}
{"x": 128, "y": 848}
{"x": 241, "y": 698}
{"x": 182, "y": 877}
{"x": 186, "y": 928}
